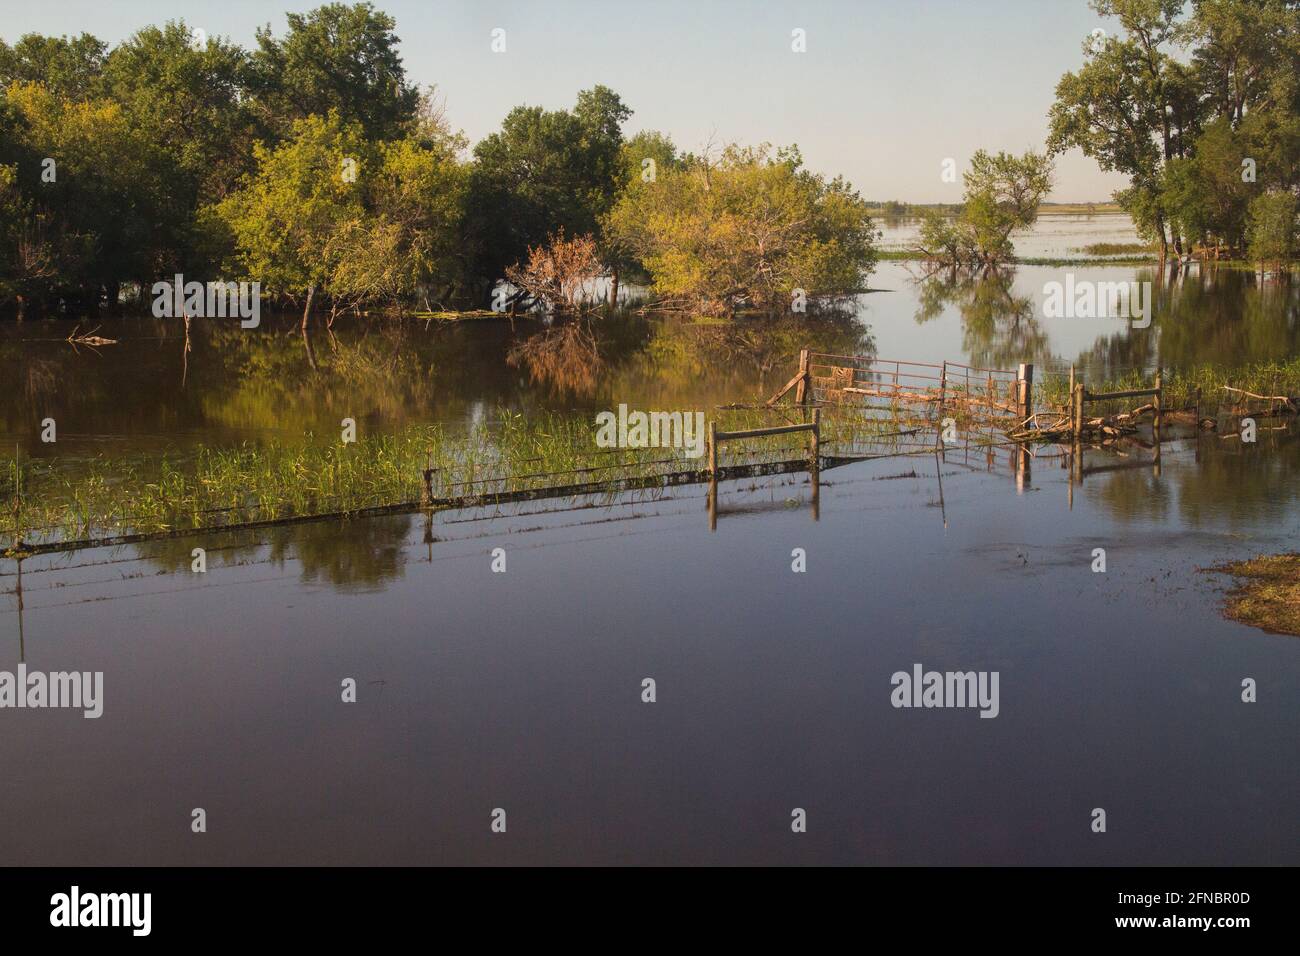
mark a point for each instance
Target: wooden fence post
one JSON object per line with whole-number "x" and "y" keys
{"x": 814, "y": 438}
{"x": 801, "y": 391}
{"x": 426, "y": 494}
{"x": 713, "y": 449}
{"x": 1025, "y": 375}
{"x": 1158, "y": 398}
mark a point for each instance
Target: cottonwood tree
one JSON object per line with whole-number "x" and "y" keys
{"x": 1118, "y": 108}
{"x": 1272, "y": 229}
{"x": 190, "y": 103}
{"x": 283, "y": 220}
{"x": 1172, "y": 102}
{"x": 330, "y": 213}
{"x": 95, "y": 222}
{"x": 68, "y": 67}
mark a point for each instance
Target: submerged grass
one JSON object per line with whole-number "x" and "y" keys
{"x": 1268, "y": 593}
{"x": 1180, "y": 385}
{"x": 212, "y": 487}
{"x": 1118, "y": 249}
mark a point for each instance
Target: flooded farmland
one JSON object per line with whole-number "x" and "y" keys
{"x": 515, "y": 678}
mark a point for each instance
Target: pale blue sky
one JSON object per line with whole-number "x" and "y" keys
{"x": 884, "y": 93}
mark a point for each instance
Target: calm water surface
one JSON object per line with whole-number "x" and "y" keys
{"x": 522, "y": 690}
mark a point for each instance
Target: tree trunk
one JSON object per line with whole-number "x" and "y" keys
{"x": 306, "y": 312}
{"x": 613, "y": 289}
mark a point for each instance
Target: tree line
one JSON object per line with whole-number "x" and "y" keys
{"x": 1200, "y": 107}
{"x": 311, "y": 164}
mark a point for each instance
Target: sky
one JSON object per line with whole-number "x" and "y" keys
{"x": 885, "y": 92}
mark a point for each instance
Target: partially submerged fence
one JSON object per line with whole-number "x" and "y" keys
{"x": 1080, "y": 398}
{"x": 874, "y": 408}
{"x": 914, "y": 392}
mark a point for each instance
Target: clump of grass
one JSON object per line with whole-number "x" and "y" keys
{"x": 1180, "y": 385}
{"x": 1117, "y": 248}
{"x": 1268, "y": 595}
{"x": 214, "y": 487}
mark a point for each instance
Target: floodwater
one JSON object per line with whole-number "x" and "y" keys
{"x": 148, "y": 395}
{"x": 523, "y": 691}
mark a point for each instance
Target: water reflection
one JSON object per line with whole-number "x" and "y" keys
{"x": 999, "y": 327}
{"x": 158, "y": 388}
{"x": 348, "y": 556}
{"x": 148, "y": 395}
{"x": 1214, "y": 484}
{"x": 1204, "y": 316}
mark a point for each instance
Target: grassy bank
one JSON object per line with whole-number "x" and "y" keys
{"x": 1267, "y": 594}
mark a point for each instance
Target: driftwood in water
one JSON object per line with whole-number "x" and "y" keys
{"x": 1286, "y": 401}
{"x": 89, "y": 338}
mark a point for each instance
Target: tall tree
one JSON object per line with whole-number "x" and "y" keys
{"x": 1127, "y": 107}
{"x": 189, "y": 100}
{"x": 70, "y": 67}
{"x": 337, "y": 57}
{"x": 93, "y": 188}
{"x": 543, "y": 172}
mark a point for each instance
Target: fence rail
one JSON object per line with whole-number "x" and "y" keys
{"x": 986, "y": 397}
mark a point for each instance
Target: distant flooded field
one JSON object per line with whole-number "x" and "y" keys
{"x": 1054, "y": 236}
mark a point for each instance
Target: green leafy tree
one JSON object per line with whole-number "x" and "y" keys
{"x": 1204, "y": 194}
{"x": 1179, "y": 104}
{"x": 1002, "y": 195}
{"x": 749, "y": 228}
{"x": 543, "y": 172}
{"x": 330, "y": 213}
{"x": 1129, "y": 106}
{"x": 283, "y": 221}
{"x": 188, "y": 101}
{"x": 341, "y": 58}
{"x": 1272, "y": 229}
{"x": 407, "y": 243}
{"x": 68, "y": 67}
{"x": 92, "y": 222}
{"x": 642, "y": 158}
